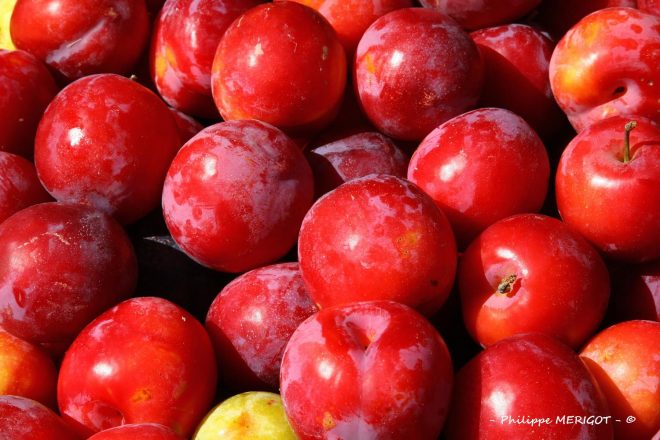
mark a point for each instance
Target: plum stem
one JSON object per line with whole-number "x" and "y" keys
{"x": 506, "y": 285}
{"x": 630, "y": 126}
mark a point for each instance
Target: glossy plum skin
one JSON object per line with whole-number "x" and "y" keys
{"x": 519, "y": 56}
{"x": 374, "y": 370}
{"x": 144, "y": 361}
{"x": 477, "y": 14}
{"x": 560, "y": 285}
{"x": 592, "y": 178}
{"x": 414, "y": 69}
{"x": 390, "y": 243}
{"x": 624, "y": 360}
{"x": 355, "y": 156}
{"x": 481, "y": 167}
{"x": 19, "y": 185}
{"x": 508, "y": 378}
{"x": 106, "y": 141}
{"x": 607, "y": 65}
{"x": 61, "y": 265}
{"x": 283, "y": 64}
{"x": 137, "y": 431}
{"x": 350, "y": 18}
{"x": 236, "y": 194}
{"x": 252, "y": 319}
{"x": 635, "y": 292}
{"x": 26, "y": 371}
{"x": 185, "y": 38}
{"x": 82, "y": 37}
{"x": 26, "y": 88}
{"x": 26, "y": 419}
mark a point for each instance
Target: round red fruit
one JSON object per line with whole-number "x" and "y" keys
{"x": 283, "y": 64}
{"x": 608, "y": 187}
{"x": 251, "y": 321}
{"x": 82, "y": 37}
{"x": 61, "y": 265}
{"x": 389, "y": 242}
{"x": 527, "y": 387}
{"x": 106, "y": 141}
{"x": 415, "y": 68}
{"x": 144, "y": 361}
{"x": 236, "y": 194}
{"x": 532, "y": 273}
{"x": 374, "y": 370}
{"x": 481, "y": 167}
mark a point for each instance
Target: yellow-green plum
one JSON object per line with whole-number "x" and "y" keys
{"x": 255, "y": 415}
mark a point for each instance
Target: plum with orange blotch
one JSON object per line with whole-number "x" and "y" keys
{"x": 519, "y": 55}
{"x": 106, "y": 141}
{"x": 391, "y": 242}
{"x": 415, "y": 68}
{"x": 530, "y": 273}
{"x": 235, "y": 195}
{"x": 61, "y": 264}
{"x": 26, "y": 89}
{"x": 252, "y": 319}
{"x": 82, "y": 37}
{"x": 477, "y": 14}
{"x": 26, "y": 370}
{"x": 137, "y": 431}
{"x": 527, "y": 387}
{"x": 624, "y": 360}
{"x": 350, "y": 18}
{"x": 481, "y": 167}
{"x": 281, "y": 63}
{"x": 145, "y": 360}
{"x": 19, "y": 185}
{"x": 373, "y": 369}
{"x": 26, "y": 419}
{"x": 607, "y": 65}
{"x": 186, "y": 34}
{"x": 608, "y": 187}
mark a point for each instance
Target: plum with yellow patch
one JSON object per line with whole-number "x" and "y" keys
{"x": 255, "y": 415}
{"x": 26, "y": 371}
{"x": 608, "y": 65}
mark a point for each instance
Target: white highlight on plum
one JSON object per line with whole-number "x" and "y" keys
{"x": 602, "y": 182}
{"x": 326, "y": 369}
{"x": 258, "y": 51}
{"x": 54, "y": 7}
{"x": 75, "y": 136}
{"x": 500, "y": 402}
{"x": 353, "y": 241}
{"x": 396, "y": 59}
{"x": 449, "y": 170}
{"x": 103, "y": 369}
{"x": 210, "y": 166}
